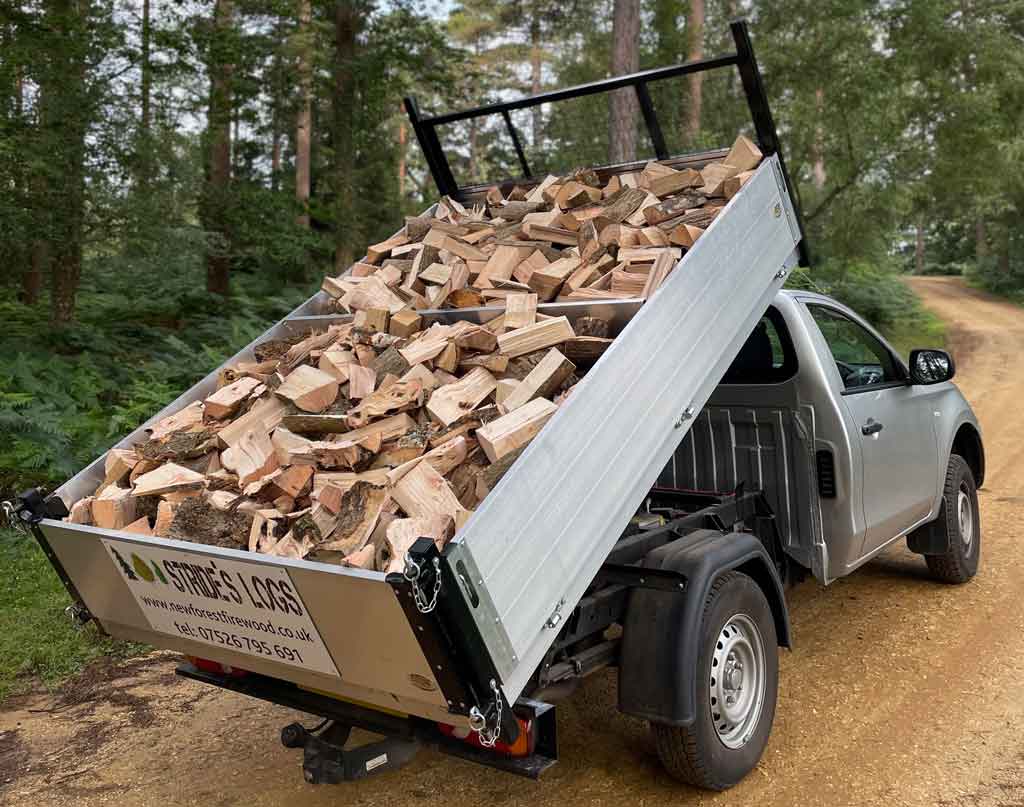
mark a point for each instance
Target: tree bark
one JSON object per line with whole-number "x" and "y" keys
{"x": 145, "y": 92}
{"x": 67, "y": 117}
{"x": 304, "y": 123}
{"x": 980, "y": 239}
{"x": 818, "y": 148}
{"x": 474, "y": 132}
{"x": 346, "y": 25}
{"x": 536, "y": 75}
{"x": 218, "y": 133}
{"x": 39, "y": 266}
{"x": 401, "y": 154}
{"x": 275, "y": 158}
{"x": 32, "y": 275}
{"x": 695, "y": 51}
{"x": 622, "y": 104}
{"x": 277, "y": 90}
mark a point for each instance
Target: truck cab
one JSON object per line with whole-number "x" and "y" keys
{"x": 828, "y": 420}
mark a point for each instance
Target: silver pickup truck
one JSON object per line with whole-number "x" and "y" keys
{"x": 733, "y": 440}
{"x": 897, "y": 454}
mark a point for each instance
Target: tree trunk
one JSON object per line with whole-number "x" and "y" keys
{"x": 474, "y": 131}
{"x": 695, "y": 51}
{"x": 919, "y": 248}
{"x": 144, "y": 157}
{"x": 818, "y": 148}
{"x": 39, "y": 266}
{"x": 980, "y": 239}
{"x": 401, "y": 154}
{"x": 346, "y": 23}
{"x": 304, "y": 123}
{"x": 622, "y": 104}
{"x": 1004, "y": 253}
{"x": 277, "y": 90}
{"x": 32, "y": 275}
{"x": 536, "y": 76}
{"x": 68, "y": 107}
{"x": 218, "y": 134}
{"x": 275, "y": 158}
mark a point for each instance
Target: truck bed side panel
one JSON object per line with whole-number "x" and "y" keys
{"x": 761, "y": 447}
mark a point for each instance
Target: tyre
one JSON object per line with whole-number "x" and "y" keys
{"x": 736, "y": 692}
{"x": 962, "y": 526}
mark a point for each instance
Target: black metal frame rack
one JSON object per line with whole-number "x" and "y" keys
{"x": 743, "y": 59}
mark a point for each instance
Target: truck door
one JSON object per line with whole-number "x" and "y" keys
{"x": 893, "y": 423}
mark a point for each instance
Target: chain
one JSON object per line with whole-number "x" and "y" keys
{"x": 489, "y": 736}
{"x": 412, "y": 574}
{"x": 11, "y": 515}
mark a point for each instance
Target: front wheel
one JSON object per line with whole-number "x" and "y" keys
{"x": 736, "y": 691}
{"x": 962, "y": 526}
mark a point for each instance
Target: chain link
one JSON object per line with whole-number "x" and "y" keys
{"x": 12, "y": 517}
{"x": 412, "y": 574}
{"x": 489, "y": 736}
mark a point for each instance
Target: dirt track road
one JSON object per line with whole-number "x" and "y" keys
{"x": 899, "y": 691}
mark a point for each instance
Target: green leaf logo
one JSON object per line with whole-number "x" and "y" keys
{"x": 142, "y": 569}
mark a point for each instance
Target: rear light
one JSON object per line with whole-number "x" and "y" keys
{"x": 522, "y": 747}
{"x": 216, "y": 667}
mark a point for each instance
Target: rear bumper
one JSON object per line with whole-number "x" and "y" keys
{"x": 402, "y": 727}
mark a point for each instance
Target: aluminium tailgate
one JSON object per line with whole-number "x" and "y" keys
{"x": 535, "y": 543}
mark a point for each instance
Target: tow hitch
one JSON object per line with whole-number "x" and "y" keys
{"x": 326, "y": 762}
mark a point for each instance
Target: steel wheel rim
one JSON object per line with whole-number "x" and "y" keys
{"x": 736, "y": 681}
{"x": 965, "y": 516}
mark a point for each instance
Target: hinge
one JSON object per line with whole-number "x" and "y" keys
{"x": 687, "y": 414}
{"x": 33, "y": 506}
{"x": 556, "y": 616}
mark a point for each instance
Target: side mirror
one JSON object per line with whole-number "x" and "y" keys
{"x": 931, "y": 366}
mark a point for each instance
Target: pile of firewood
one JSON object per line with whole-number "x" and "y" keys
{"x": 349, "y": 444}
{"x": 566, "y": 239}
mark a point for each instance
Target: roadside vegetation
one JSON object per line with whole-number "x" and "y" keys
{"x": 877, "y": 292}
{"x": 38, "y": 644}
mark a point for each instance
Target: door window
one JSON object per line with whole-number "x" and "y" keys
{"x": 863, "y": 361}
{"x": 767, "y": 357}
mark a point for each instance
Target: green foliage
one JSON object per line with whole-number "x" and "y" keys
{"x": 877, "y": 293}
{"x": 37, "y": 642}
{"x": 1005, "y": 277}
{"x": 141, "y": 339}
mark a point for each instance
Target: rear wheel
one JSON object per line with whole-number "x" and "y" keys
{"x": 962, "y": 525}
{"x": 736, "y": 693}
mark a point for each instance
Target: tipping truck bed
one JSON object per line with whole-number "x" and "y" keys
{"x": 459, "y": 645}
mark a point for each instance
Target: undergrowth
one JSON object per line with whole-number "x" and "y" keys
{"x": 38, "y": 643}
{"x": 139, "y": 340}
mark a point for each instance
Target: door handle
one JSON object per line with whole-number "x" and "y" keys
{"x": 871, "y": 427}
